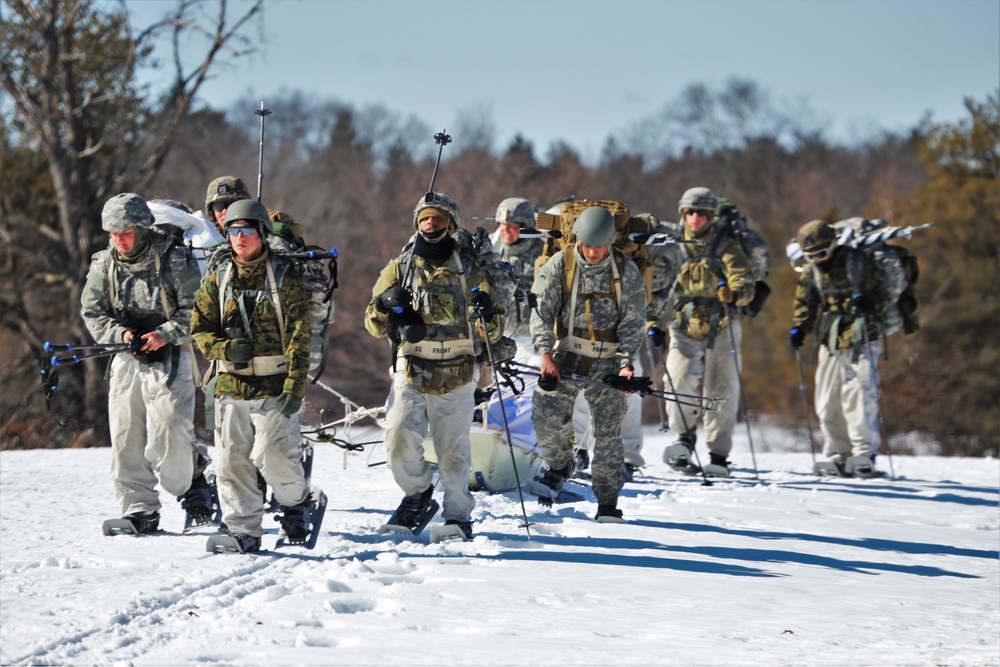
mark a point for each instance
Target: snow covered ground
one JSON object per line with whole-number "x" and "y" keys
{"x": 787, "y": 570}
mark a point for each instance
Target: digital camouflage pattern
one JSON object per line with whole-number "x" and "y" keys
{"x": 517, "y": 210}
{"x": 124, "y": 211}
{"x": 552, "y": 411}
{"x": 522, "y": 256}
{"x": 697, "y": 285}
{"x": 595, "y": 281}
{"x": 436, "y": 289}
{"x": 136, "y": 304}
{"x": 824, "y": 301}
{"x": 665, "y": 263}
{"x": 209, "y": 334}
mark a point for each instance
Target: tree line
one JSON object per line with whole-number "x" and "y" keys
{"x": 351, "y": 176}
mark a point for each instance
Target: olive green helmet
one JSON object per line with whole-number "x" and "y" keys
{"x": 699, "y": 199}
{"x": 225, "y": 188}
{"x": 124, "y": 211}
{"x": 250, "y": 210}
{"x": 816, "y": 235}
{"x": 595, "y": 227}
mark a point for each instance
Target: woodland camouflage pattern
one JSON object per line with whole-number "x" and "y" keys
{"x": 824, "y": 304}
{"x": 137, "y": 305}
{"x": 211, "y": 340}
{"x": 437, "y": 300}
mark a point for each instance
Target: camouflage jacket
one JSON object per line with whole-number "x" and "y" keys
{"x": 120, "y": 296}
{"x": 597, "y": 305}
{"x": 264, "y": 330}
{"x": 666, "y": 261}
{"x": 447, "y": 312}
{"x": 696, "y": 302}
{"x": 521, "y": 256}
{"x": 824, "y": 301}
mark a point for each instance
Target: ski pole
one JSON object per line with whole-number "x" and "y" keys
{"x": 684, "y": 421}
{"x": 503, "y": 413}
{"x": 650, "y": 351}
{"x": 66, "y": 347}
{"x": 805, "y": 404}
{"x": 442, "y": 139}
{"x": 739, "y": 378}
{"x": 873, "y": 366}
{"x": 262, "y": 112}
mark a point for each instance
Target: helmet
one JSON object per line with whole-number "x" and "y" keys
{"x": 816, "y": 235}
{"x": 701, "y": 199}
{"x": 250, "y": 210}
{"x": 595, "y": 227}
{"x": 443, "y": 203}
{"x": 225, "y": 188}
{"x": 516, "y": 210}
{"x": 124, "y": 211}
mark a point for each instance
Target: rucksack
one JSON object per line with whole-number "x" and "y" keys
{"x": 318, "y": 281}
{"x": 625, "y": 226}
{"x": 897, "y": 268}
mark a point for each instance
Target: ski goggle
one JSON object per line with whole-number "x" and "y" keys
{"x": 819, "y": 255}
{"x": 241, "y": 231}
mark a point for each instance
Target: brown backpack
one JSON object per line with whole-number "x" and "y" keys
{"x": 624, "y": 223}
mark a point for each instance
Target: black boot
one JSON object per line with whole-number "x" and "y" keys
{"x": 411, "y": 509}
{"x": 144, "y": 522}
{"x": 295, "y": 521}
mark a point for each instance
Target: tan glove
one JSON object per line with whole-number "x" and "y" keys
{"x": 725, "y": 294}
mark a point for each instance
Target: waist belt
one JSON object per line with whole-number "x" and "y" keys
{"x": 257, "y": 366}
{"x": 438, "y": 350}
{"x": 593, "y": 349}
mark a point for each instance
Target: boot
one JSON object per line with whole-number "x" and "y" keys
{"x": 412, "y": 508}
{"x": 144, "y": 522}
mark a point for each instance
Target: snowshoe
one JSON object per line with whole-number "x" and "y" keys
{"x": 548, "y": 486}
{"x": 140, "y": 523}
{"x": 201, "y": 503}
{"x": 832, "y": 468}
{"x": 300, "y": 524}
{"x": 609, "y": 514}
{"x": 452, "y": 531}
{"x": 718, "y": 467}
{"x": 678, "y": 456}
{"x": 413, "y": 514}
{"x": 234, "y": 543}
{"x": 861, "y": 466}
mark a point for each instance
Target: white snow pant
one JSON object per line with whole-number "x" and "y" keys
{"x": 152, "y": 431}
{"x": 631, "y": 430}
{"x": 847, "y": 402}
{"x": 251, "y": 436}
{"x": 449, "y": 417}
{"x": 688, "y": 363}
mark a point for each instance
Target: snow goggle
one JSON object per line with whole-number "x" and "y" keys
{"x": 818, "y": 255}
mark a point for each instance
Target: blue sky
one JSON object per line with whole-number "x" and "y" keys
{"x": 579, "y": 71}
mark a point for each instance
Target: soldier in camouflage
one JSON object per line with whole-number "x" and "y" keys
{"x": 713, "y": 274}
{"x": 222, "y": 192}
{"x": 589, "y": 321}
{"x": 513, "y": 215}
{"x": 251, "y": 320}
{"x": 839, "y": 295}
{"x": 139, "y": 291}
{"x": 435, "y": 339}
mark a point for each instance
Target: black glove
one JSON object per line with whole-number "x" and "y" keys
{"x": 796, "y": 337}
{"x": 482, "y": 303}
{"x": 239, "y": 350}
{"x": 657, "y": 336}
{"x": 392, "y": 299}
{"x": 862, "y": 304}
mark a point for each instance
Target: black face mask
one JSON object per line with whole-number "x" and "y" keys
{"x": 434, "y": 237}
{"x": 436, "y": 252}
